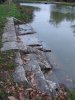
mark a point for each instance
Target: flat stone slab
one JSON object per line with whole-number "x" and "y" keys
{"x": 7, "y": 37}
{"x": 9, "y": 24}
{"x": 9, "y": 31}
{"x": 30, "y": 40}
{"x": 24, "y": 29}
{"x": 45, "y": 48}
{"x": 9, "y": 46}
{"x": 14, "y": 46}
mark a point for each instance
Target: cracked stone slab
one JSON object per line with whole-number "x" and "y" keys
{"x": 45, "y": 48}
{"x": 9, "y": 34}
{"x": 33, "y": 66}
{"x": 19, "y": 74}
{"x": 21, "y": 46}
{"x": 7, "y": 37}
{"x": 14, "y": 46}
{"x": 24, "y": 29}
{"x": 9, "y": 46}
{"x": 42, "y": 58}
{"x": 30, "y": 40}
{"x": 9, "y": 25}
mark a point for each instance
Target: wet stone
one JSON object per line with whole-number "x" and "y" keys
{"x": 24, "y": 32}
{"x": 45, "y": 48}
{"x": 30, "y": 40}
{"x": 24, "y": 29}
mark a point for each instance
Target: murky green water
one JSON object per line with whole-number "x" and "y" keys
{"x": 55, "y": 25}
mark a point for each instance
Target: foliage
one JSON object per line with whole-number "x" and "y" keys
{"x": 72, "y": 94}
{"x": 44, "y": 0}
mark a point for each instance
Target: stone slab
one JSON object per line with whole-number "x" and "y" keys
{"x": 24, "y": 29}
{"x": 19, "y": 74}
{"x": 34, "y": 67}
{"x": 9, "y": 46}
{"x": 14, "y": 46}
{"x": 30, "y": 40}
{"x": 9, "y": 34}
{"x": 7, "y": 37}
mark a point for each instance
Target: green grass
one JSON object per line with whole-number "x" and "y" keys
{"x": 22, "y": 13}
{"x": 7, "y": 60}
{"x": 72, "y": 94}
{"x": 3, "y": 15}
{"x": 65, "y": 3}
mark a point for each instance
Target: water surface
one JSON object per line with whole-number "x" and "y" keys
{"x": 55, "y": 25}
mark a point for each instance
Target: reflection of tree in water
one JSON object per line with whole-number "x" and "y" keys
{"x": 73, "y": 27}
{"x": 60, "y": 13}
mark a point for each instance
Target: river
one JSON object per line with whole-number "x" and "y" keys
{"x": 55, "y": 25}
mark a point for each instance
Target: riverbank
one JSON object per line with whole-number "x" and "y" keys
{"x": 7, "y": 58}
{"x": 32, "y": 62}
{"x": 46, "y": 2}
{"x": 22, "y": 13}
{"x": 8, "y": 87}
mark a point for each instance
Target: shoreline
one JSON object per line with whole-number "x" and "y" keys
{"x": 46, "y": 2}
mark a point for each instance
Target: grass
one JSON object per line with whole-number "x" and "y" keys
{"x": 7, "y": 60}
{"x": 22, "y": 13}
{"x": 3, "y": 15}
{"x": 14, "y": 10}
{"x": 72, "y": 94}
{"x": 65, "y": 3}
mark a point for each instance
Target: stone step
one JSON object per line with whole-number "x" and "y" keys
{"x": 37, "y": 78}
{"x": 24, "y": 29}
{"x": 19, "y": 73}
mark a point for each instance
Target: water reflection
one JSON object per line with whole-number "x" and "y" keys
{"x": 59, "y": 39}
{"x": 60, "y": 13}
{"x": 73, "y": 27}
